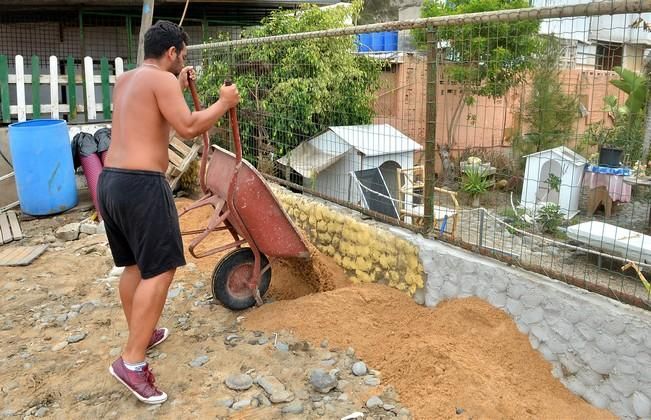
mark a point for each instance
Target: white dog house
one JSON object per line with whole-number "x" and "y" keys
{"x": 541, "y": 175}
{"x": 332, "y": 161}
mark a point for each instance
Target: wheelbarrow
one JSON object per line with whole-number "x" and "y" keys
{"x": 245, "y": 206}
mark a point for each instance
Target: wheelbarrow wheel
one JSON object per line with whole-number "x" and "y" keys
{"x": 231, "y": 275}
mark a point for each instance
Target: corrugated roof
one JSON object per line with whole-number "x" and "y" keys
{"x": 376, "y": 139}
{"x": 313, "y": 156}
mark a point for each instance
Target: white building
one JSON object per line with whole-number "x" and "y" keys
{"x": 599, "y": 42}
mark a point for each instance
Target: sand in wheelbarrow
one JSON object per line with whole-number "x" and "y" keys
{"x": 464, "y": 354}
{"x": 290, "y": 278}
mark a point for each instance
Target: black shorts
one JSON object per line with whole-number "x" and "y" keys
{"x": 141, "y": 221}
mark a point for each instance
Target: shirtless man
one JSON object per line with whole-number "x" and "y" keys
{"x": 135, "y": 200}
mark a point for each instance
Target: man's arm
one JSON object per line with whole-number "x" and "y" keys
{"x": 187, "y": 124}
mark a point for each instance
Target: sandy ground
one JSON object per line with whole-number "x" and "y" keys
{"x": 463, "y": 357}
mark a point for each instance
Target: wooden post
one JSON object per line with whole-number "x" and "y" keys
{"x": 72, "y": 88}
{"x": 106, "y": 90}
{"x": 430, "y": 130}
{"x": 36, "y": 87}
{"x": 5, "y": 110}
{"x": 145, "y": 23}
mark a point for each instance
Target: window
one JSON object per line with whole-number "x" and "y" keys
{"x": 609, "y": 55}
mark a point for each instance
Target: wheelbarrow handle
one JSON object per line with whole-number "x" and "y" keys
{"x": 206, "y": 140}
{"x": 236, "y": 129}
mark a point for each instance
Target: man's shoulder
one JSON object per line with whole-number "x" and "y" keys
{"x": 161, "y": 80}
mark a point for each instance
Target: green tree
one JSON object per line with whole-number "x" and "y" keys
{"x": 292, "y": 90}
{"x": 549, "y": 112}
{"x": 484, "y": 59}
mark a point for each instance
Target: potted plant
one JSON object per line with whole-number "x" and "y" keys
{"x": 625, "y": 137}
{"x": 476, "y": 163}
{"x": 474, "y": 183}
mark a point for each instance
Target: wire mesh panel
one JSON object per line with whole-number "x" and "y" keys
{"x": 517, "y": 133}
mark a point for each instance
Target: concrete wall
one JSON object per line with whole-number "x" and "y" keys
{"x": 599, "y": 349}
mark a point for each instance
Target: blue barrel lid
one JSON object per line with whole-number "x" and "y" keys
{"x": 37, "y": 123}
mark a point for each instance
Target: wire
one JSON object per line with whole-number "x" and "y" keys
{"x": 185, "y": 9}
{"x": 6, "y": 160}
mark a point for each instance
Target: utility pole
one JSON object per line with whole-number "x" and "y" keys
{"x": 145, "y": 23}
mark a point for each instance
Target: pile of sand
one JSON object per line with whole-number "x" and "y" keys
{"x": 465, "y": 353}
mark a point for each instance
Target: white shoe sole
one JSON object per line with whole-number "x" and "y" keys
{"x": 165, "y": 335}
{"x": 158, "y": 400}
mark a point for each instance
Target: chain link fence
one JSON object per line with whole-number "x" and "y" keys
{"x": 519, "y": 133}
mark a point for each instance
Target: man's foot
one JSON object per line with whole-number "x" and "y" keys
{"x": 140, "y": 383}
{"x": 159, "y": 335}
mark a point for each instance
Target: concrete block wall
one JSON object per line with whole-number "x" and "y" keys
{"x": 599, "y": 349}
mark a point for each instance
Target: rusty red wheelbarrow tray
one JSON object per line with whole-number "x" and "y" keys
{"x": 245, "y": 206}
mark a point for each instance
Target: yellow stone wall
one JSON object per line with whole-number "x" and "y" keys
{"x": 368, "y": 253}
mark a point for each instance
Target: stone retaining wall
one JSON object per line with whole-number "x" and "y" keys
{"x": 599, "y": 349}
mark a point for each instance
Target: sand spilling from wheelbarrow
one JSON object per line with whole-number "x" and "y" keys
{"x": 290, "y": 278}
{"x": 294, "y": 277}
{"x": 463, "y": 354}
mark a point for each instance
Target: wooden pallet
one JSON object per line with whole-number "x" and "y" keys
{"x": 180, "y": 157}
{"x": 20, "y": 255}
{"x": 9, "y": 227}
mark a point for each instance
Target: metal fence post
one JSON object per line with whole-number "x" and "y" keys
{"x": 480, "y": 241}
{"x": 430, "y": 131}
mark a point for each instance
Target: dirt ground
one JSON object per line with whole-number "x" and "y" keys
{"x": 62, "y": 325}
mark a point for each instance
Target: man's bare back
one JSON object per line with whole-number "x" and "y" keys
{"x": 140, "y": 133}
{"x": 148, "y": 101}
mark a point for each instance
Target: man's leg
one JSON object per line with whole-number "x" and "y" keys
{"x": 147, "y": 306}
{"x": 129, "y": 282}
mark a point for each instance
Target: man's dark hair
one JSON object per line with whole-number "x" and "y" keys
{"x": 163, "y": 35}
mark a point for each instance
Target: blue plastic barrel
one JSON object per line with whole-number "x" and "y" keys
{"x": 377, "y": 41}
{"x": 364, "y": 42}
{"x": 42, "y": 161}
{"x": 391, "y": 41}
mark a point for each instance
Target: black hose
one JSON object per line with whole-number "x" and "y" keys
{"x": 6, "y": 160}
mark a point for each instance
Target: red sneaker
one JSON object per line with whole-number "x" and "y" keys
{"x": 141, "y": 384}
{"x": 159, "y": 335}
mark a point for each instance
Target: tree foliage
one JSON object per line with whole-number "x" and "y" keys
{"x": 483, "y": 59}
{"x": 292, "y": 90}
{"x": 487, "y": 59}
{"x": 550, "y": 112}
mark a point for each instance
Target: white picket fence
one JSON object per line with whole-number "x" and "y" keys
{"x": 90, "y": 78}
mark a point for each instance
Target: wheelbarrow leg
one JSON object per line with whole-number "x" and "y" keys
{"x": 254, "y": 282}
{"x": 203, "y": 201}
{"x": 257, "y": 297}
{"x": 217, "y": 218}
{"x": 232, "y": 230}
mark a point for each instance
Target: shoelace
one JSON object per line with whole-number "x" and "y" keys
{"x": 149, "y": 377}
